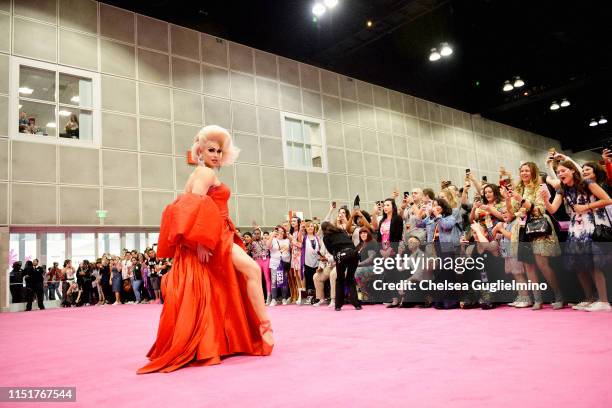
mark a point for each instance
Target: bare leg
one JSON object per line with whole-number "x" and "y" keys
{"x": 587, "y": 285}
{"x": 549, "y": 274}
{"x": 600, "y": 283}
{"x": 249, "y": 268}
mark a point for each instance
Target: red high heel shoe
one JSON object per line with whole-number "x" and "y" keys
{"x": 264, "y": 327}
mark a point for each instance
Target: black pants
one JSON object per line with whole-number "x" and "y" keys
{"x": 309, "y": 275}
{"x": 348, "y": 265}
{"x": 38, "y": 291}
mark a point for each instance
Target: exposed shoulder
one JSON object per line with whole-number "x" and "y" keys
{"x": 200, "y": 180}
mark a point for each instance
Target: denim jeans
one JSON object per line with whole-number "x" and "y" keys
{"x": 136, "y": 287}
{"x": 53, "y": 287}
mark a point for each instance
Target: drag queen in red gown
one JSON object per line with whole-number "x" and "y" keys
{"x": 213, "y": 302}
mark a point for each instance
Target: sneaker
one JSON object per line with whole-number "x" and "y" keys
{"x": 332, "y": 303}
{"x": 599, "y": 307}
{"x": 582, "y": 305}
{"x": 298, "y": 302}
{"x": 286, "y": 301}
{"x": 116, "y": 303}
{"x": 130, "y": 302}
{"x": 272, "y": 302}
{"x": 557, "y": 305}
{"x": 321, "y": 302}
{"x": 537, "y": 306}
{"x": 523, "y": 304}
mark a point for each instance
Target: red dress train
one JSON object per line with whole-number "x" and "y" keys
{"x": 206, "y": 313}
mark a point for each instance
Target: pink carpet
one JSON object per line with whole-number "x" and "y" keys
{"x": 374, "y": 357}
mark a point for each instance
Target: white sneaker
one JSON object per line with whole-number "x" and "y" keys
{"x": 321, "y": 302}
{"x": 272, "y": 302}
{"x": 298, "y": 302}
{"x": 582, "y": 305}
{"x": 130, "y": 302}
{"x": 521, "y": 305}
{"x": 286, "y": 301}
{"x": 332, "y": 303}
{"x": 599, "y": 307}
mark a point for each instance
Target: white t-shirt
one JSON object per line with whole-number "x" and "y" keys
{"x": 311, "y": 258}
{"x": 279, "y": 251}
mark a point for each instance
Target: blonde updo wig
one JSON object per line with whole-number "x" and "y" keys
{"x": 216, "y": 134}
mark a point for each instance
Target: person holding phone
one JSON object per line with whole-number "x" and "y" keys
{"x": 280, "y": 263}
{"x": 586, "y": 202}
{"x": 340, "y": 245}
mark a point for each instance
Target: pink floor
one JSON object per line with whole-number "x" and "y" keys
{"x": 373, "y": 357}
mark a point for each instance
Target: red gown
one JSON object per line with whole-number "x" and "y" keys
{"x": 206, "y": 313}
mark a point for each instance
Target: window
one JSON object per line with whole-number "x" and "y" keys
{"x": 54, "y": 104}
{"x": 135, "y": 240}
{"x": 22, "y": 247}
{"x": 56, "y": 248}
{"x": 83, "y": 247}
{"x": 109, "y": 243}
{"x": 303, "y": 143}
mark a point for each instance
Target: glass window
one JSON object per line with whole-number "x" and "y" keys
{"x": 153, "y": 237}
{"x": 22, "y": 247}
{"x": 83, "y": 247}
{"x": 56, "y": 248}
{"x": 56, "y": 102}
{"x": 109, "y": 243}
{"x": 303, "y": 143}
{"x": 136, "y": 240}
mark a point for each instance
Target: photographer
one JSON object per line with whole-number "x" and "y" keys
{"x": 340, "y": 245}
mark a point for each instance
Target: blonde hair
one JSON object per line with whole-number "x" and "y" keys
{"x": 219, "y": 135}
{"x": 451, "y": 197}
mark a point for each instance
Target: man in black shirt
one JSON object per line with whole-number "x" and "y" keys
{"x": 35, "y": 276}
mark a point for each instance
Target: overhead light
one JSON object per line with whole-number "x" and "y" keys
{"x": 446, "y": 50}
{"x": 318, "y": 9}
{"x": 554, "y": 106}
{"x": 507, "y": 86}
{"x": 518, "y": 82}
{"x": 369, "y": 23}
{"x": 330, "y": 4}
{"x": 603, "y": 121}
{"x": 565, "y": 103}
{"x": 26, "y": 90}
{"x": 75, "y": 99}
{"x": 593, "y": 123}
{"x": 434, "y": 55}
{"x": 64, "y": 113}
{"x": 51, "y": 125}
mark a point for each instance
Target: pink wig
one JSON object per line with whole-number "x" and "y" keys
{"x": 217, "y": 134}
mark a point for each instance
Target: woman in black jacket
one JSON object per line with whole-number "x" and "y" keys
{"x": 389, "y": 235}
{"x": 340, "y": 245}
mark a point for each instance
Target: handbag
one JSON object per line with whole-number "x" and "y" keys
{"x": 127, "y": 285}
{"x": 537, "y": 227}
{"x": 602, "y": 232}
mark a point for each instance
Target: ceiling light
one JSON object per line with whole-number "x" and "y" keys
{"x": 446, "y": 50}
{"x": 565, "y": 103}
{"x": 593, "y": 123}
{"x": 554, "y": 105}
{"x": 369, "y": 23}
{"x": 51, "y": 125}
{"x": 318, "y": 9}
{"x": 26, "y": 91}
{"x": 75, "y": 99}
{"x": 603, "y": 121}
{"x": 518, "y": 82}
{"x": 507, "y": 86}
{"x": 64, "y": 113}
{"x": 434, "y": 55}
{"x": 330, "y": 4}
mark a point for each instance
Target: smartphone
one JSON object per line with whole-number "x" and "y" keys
{"x": 406, "y": 194}
{"x": 467, "y": 171}
{"x": 503, "y": 182}
{"x": 484, "y": 178}
{"x": 379, "y": 203}
{"x": 333, "y": 204}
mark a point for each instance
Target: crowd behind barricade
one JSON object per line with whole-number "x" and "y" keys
{"x": 536, "y": 231}
{"x": 132, "y": 277}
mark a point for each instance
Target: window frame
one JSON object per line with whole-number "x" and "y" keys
{"x": 15, "y": 64}
{"x": 285, "y": 139}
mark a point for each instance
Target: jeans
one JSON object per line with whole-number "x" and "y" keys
{"x": 136, "y": 287}
{"x": 53, "y": 287}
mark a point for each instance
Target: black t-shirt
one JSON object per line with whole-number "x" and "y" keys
{"x": 137, "y": 271}
{"x": 152, "y": 262}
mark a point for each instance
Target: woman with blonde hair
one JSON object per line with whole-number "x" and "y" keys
{"x": 213, "y": 302}
{"x": 535, "y": 246}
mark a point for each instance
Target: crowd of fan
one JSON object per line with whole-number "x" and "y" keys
{"x": 478, "y": 217}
